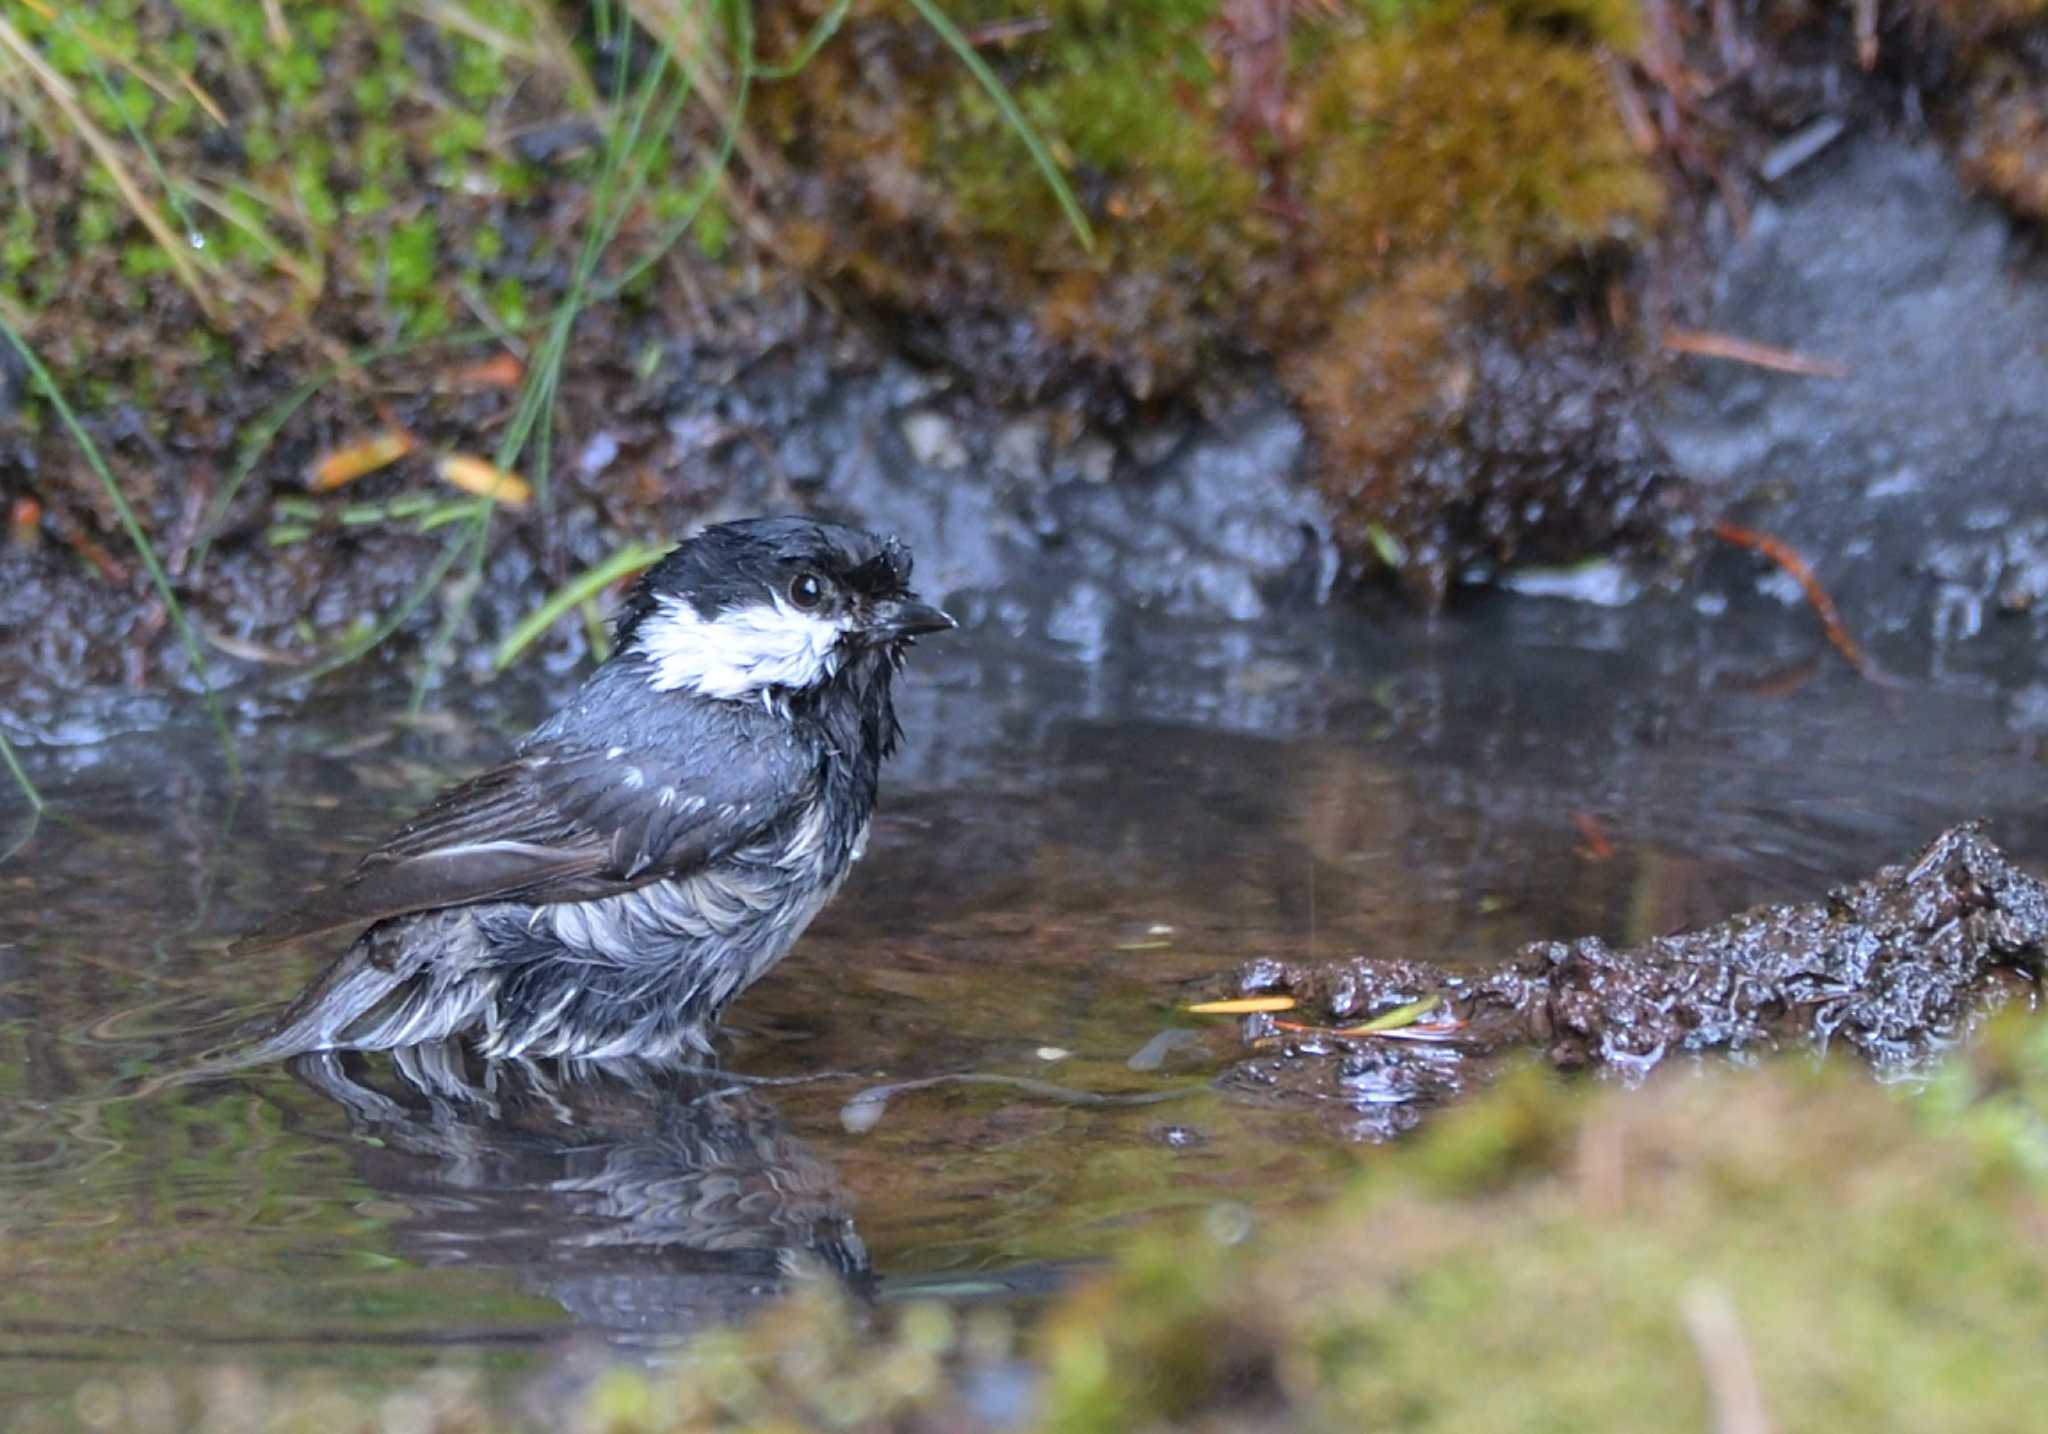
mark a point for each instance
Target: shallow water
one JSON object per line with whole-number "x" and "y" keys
{"x": 1069, "y": 850}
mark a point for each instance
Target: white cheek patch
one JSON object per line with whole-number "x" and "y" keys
{"x": 740, "y": 653}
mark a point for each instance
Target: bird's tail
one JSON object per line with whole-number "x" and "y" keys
{"x": 358, "y": 1002}
{"x": 365, "y": 1000}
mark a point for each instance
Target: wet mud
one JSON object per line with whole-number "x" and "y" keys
{"x": 1895, "y": 968}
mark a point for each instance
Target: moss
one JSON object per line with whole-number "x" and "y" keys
{"x": 323, "y": 116}
{"x": 410, "y": 258}
{"x": 1470, "y": 138}
{"x": 1996, "y": 108}
{"x": 1976, "y": 24}
{"x": 508, "y": 300}
{"x": 1389, "y": 161}
{"x": 1874, "y": 1273}
{"x": 2004, "y": 147}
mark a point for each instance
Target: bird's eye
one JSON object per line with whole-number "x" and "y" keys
{"x": 806, "y": 590}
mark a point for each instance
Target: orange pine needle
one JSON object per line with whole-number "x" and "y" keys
{"x": 1598, "y": 847}
{"x": 344, "y": 465}
{"x": 500, "y": 370}
{"x": 102, "y": 560}
{"x": 24, "y": 522}
{"x": 485, "y": 479}
{"x": 1704, "y": 344}
{"x": 1781, "y": 553}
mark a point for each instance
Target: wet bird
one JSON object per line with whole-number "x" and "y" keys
{"x": 653, "y": 848}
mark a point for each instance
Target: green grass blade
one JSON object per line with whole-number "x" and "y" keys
{"x": 620, "y": 180}
{"x": 727, "y": 141}
{"x": 1400, "y": 1018}
{"x": 822, "y": 32}
{"x": 943, "y": 26}
{"x": 28, "y": 788}
{"x": 141, "y": 142}
{"x": 253, "y": 448}
{"x": 357, "y": 648}
{"x": 629, "y": 559}
{"x": 144, "y": 549}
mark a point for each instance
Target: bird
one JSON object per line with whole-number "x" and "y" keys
{"x": 655, "y": 846}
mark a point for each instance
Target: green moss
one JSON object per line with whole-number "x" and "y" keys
{"x": 1873, "y": 1260}
{"x": 332, "y": 129}
{"x": 1127, "y": 95}
{"x": 410, "y": 259}
{"x": 508, "y": 301}
{"x": 712, "y": 229}
{"x": 142, "y": 260}
{"x": 1876, "y": 1275}
{"x": 1471, "y": 136}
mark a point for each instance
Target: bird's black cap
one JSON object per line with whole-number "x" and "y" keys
{"x": 730, "y": 564}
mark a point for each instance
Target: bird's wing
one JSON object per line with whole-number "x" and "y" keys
{"x": 556, "y": 824}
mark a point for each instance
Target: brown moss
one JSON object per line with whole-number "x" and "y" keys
{"x": 2005, "y": 150}
{"x": 1459, "y": 426}
{"x": 1995, "y": 106}
{"x": 1975, "y": 23}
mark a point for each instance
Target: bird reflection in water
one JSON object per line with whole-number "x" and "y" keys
{"x": 648, "y": 1199}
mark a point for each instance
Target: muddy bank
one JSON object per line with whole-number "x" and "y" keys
{"x": 1906, "y": 482}
{"x": 1896, "y": 968}
{"x": 1027, "y": 521}
{"x": 1267, "y": 382}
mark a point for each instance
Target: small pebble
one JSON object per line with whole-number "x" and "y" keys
{"x": 933, "y": 441}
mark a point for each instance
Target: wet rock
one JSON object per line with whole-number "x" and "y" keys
{"x": 1092, "y": 460}
{"x": 933, "y": 441}
{"x": 1876, "y": 257}
{"x": 1895, "y": 967}
{"x": 1018, "y": 448}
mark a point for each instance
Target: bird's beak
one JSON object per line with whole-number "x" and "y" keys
{"x": 906, "y": 617}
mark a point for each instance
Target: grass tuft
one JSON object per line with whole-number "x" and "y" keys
{"x": 58, "y": 90}
{"x": 28, "y": 790}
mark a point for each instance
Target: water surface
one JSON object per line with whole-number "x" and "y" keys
{"x": 1071, "y": 846}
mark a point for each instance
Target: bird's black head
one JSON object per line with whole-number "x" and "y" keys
{"x": 769, "y": 605}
